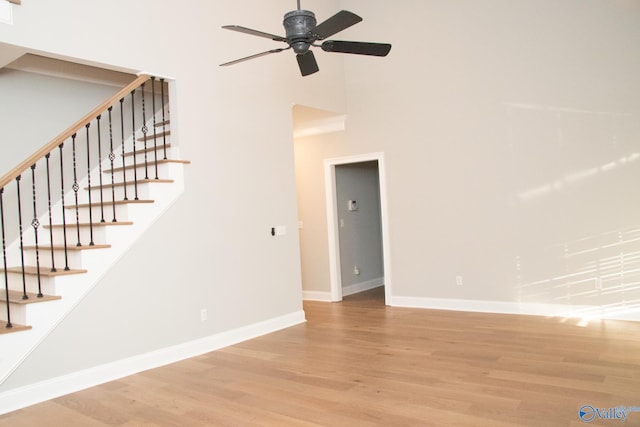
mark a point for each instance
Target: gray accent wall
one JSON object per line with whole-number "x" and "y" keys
{"x": 360, "y": 233}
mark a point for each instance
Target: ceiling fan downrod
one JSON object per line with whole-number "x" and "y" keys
{"x": 298, "y": 4}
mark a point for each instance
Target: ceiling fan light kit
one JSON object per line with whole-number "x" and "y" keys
{"x": 302, "y": 33}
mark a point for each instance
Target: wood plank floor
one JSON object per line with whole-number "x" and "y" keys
{"x": 359, "y": 363}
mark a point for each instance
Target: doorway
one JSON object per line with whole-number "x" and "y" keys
{"x": 357, "y": 225}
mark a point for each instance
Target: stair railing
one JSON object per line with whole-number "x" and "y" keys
{"x": 79, "y": 151}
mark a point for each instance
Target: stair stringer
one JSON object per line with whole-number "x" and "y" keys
{"x": 45, "y": 317}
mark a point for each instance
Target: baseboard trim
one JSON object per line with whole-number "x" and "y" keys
{"x": 13, "y": 400}
{"x": 362, "y": 286}
{"x": 502, "y": 307}
{"x": 316, "y": 296}
{"x": 347, "y": 290}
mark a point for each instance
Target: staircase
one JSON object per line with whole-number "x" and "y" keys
{"x": 115, "y": 173}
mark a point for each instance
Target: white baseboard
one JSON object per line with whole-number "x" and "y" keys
{"x": 502, "y": 307}
{"x": 347, "y": 290}
{"x": 316, "y": 296}
{"x": 362, "y": 286}
{"x": 39, "y": 392}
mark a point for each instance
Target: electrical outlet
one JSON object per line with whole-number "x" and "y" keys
{"x": 203, "y": 315}
{"x": 356, "y": 270}
{"x": 459, "y": 280}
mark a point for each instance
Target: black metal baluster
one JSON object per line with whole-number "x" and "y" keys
{"x": 4, "y": 258}
{"x": 164, "y": 121}
{"x": 76, "y": 187}
{"x": 35, "y": 223}
{"x": 155, "y": 134}
{"x": 24, "y": 274}
{"x": 145, "y": 129}
{"x": 89, "y": 185}
{"x": 53, "y": 258}
{"x": 133, "y": 127}
{"x": 124, "y": 170}
{"x": 64, "y": 215}
{"x": 112, "y": 157}
{"x": 100, "y": 169}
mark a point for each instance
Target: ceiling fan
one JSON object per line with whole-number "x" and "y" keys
{"x": 302, "y": 33}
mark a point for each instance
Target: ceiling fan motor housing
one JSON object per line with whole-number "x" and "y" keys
{"x": 298, "y": 25}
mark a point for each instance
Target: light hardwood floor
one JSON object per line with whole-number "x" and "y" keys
{"x": 359, "y": 363}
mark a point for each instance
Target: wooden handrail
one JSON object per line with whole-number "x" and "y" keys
{"x": 26, "y": 164}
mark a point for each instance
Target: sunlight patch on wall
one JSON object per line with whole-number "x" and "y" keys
{"x": 576, "y": 178}
{"x": 599, "y": 275}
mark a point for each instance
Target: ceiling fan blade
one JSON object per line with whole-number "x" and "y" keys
{"x": 249, "y": 31}
{"x": 358, "y": 48}
{"x": 257, "y": 55}
{"x": 307, "y": 63}
{"x": 338, "y": 22}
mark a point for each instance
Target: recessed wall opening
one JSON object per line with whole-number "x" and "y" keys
{"x": 341, "y": 210}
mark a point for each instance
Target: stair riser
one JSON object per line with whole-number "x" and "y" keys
{"x": 151, "y": 154}
{"x": 98, "y": 213}
{"x": 47, "y": 284}
{"x": 74, "y": 258}
{"x": 29, "y": 313}
{"x": 99, "y": 235}
{"x": 151, "y": 150}
{"x": 18, "y": 314}
{"x": 141, "y": 172}
{"x": 152, "y": 157}
{"x": 143, "y": 193}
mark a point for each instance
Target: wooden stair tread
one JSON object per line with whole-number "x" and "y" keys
{"x": 107, "y": 203}
{"x": 86, "y": 224}
{"x": 164, "y": 123}
{"x": 15, "y": 297}
{"x": 70, "y": 247}
{"x": 150, "y": 135}
{"x": 150, "y": 164}
{"x": 140, "y": 181}
{"x": 148, "y": 150}
{"x": 44, "y": 271}
{"x": 15, "y": 328}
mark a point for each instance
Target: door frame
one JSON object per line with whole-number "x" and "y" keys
{"x": 332, "y": 222}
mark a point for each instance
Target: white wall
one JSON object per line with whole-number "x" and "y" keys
{"x": 511, "y": 130}
{"x": 212, "y": 249}
{"x": 511, "y": 138}
{"x": 310, "y": 153}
